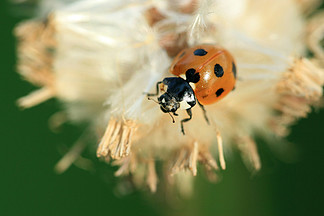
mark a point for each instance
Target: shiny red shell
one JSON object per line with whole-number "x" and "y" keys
{"x": 216, "y": 68}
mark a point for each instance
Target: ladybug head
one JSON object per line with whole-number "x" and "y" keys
{"x": 168, "y": 103}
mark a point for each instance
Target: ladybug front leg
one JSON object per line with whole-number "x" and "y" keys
{"x": 157, "y": 90}
{"x": 185, "y": 120}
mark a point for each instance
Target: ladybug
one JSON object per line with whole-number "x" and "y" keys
{"x": 205, "y": 74}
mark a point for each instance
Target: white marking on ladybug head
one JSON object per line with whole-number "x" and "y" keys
{"x": 193, "y": 85}
{"x": 183, "y": 76}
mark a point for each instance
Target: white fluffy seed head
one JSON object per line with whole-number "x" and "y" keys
{"x": 108, "y": 54}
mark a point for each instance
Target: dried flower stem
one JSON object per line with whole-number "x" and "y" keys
{"x": 152, "y": 178}
{"x": 220, "y": 150}
{"x": 249, "y": 152}
{"x": 127, "y": 165}
{"x": 117, "y": 139}
{"x": 193, "y": 159}
{"x": 187, "y": 157}
{"x": 70, "y": 157}
{"x": 36, "y": 97}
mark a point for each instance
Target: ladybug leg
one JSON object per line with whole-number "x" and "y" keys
{"x": 157, "y": 90}
{"x": 175, "y": 114}
{"x": 205, "y": 113}
{"x": 185, "y": 120}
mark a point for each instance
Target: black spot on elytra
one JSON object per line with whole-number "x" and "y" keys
{"x": 192, "y": 76}
{"x": 200, "y": 52}
{"x": 218, "y": 70}
{"x": 234, "y": 69}
{"x": 219, "y": 92}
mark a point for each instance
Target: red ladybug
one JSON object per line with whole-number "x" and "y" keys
{"x": 205, "y": 73}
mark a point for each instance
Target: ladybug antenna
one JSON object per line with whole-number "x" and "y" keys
{"x": 153, "y": 100}
{"x": 173, "y": 121}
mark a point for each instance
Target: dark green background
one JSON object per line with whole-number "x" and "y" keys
{"x": 29, "y": 150}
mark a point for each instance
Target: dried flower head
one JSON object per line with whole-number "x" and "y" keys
{"x": 98, "y": 57}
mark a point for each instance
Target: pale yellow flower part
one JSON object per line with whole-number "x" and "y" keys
{"x": 100, "y": 57}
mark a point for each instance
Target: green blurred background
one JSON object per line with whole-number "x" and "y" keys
{"x": 29, "y": 151}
